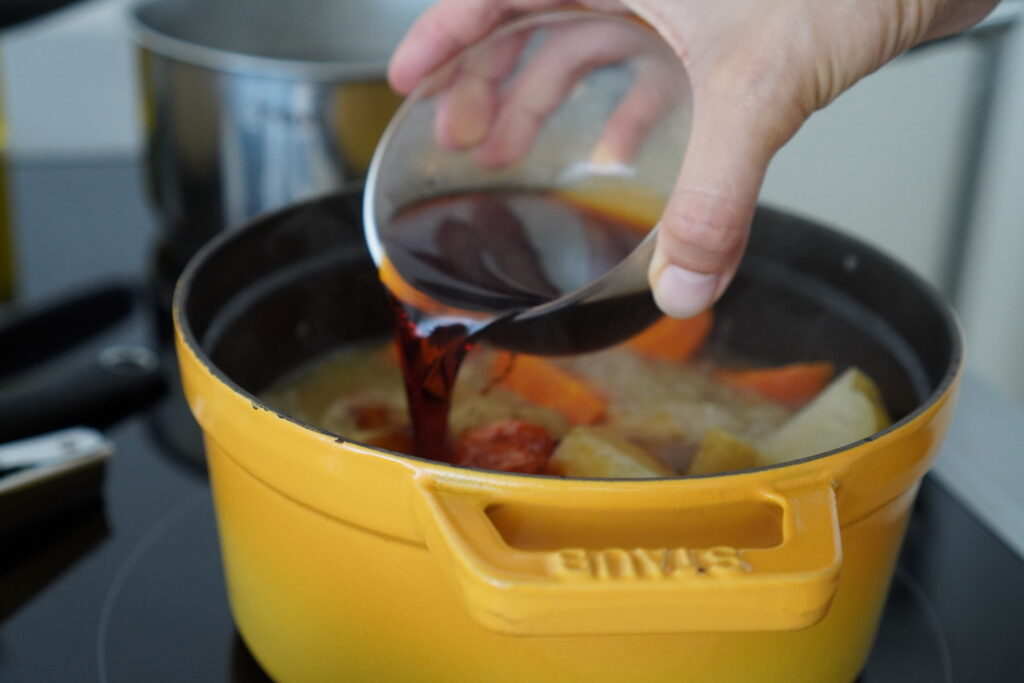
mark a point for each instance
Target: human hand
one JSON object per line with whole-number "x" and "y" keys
{"x": 757, "y": 72}
{"x": 496, "y": 101}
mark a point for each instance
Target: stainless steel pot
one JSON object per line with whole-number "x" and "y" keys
{"x": 252, "y": 104}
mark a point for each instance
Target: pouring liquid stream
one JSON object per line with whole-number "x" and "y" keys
{"x": 455, "y": 265}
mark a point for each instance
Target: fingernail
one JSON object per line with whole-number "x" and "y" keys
{"x": 683, "y": 293}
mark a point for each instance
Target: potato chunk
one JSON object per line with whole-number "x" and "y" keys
{"x": 849, "y": 409}
{"x": 593, "y": 452}
{"x": 722, "y": 452}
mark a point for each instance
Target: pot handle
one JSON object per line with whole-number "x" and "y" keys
{"x": 600, "y": 590}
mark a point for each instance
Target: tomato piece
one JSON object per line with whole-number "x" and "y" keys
{"x": 506, "y": 445}
{"x": 373, "y": 416}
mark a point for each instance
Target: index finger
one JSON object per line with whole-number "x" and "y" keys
{"x": 446, "y": 29}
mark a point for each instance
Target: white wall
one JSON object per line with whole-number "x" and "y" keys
{"x": 69, "y": 83}
{"x": 992, "y": 304}
{"x": 881, "y": 161}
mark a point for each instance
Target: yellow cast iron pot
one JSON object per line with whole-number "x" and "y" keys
{"x": 346, "y": 562}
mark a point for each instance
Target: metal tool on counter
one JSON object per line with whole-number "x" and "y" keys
{"x": 64, "y": 446}
{"x": 65, "y": 373}
{"x": 45, "y": 475}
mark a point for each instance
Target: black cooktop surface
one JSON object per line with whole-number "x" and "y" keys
{"x": 168, "y": 600}
{"x": 128, "y": 587}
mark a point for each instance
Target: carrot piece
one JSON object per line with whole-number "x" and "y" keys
{"x": 672, "y": 339}
{"x": 546, "y": 384}
{"x": 792, "y": 384}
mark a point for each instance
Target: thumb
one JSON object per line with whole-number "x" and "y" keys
{"x": 705, "y": 225}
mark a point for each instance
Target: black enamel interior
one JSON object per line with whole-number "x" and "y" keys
{"x": 263, "y": 300}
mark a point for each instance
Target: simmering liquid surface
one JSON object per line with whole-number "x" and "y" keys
{"x": 661, "y": 399}
{"x": 664, "y": 407}
{"x": 459, "y": 262}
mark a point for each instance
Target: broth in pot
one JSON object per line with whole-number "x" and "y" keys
{"x": 660, "y": 404}
{"x": 655, "y": 406}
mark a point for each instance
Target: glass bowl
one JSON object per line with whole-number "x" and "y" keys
{"x": 591, "y": 107}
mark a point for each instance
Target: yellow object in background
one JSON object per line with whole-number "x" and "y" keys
{"x": 363, "y": 111}
{"x": 6, "y": 237}
{"x": 6, "y": 227}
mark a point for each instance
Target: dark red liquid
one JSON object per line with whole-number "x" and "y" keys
{"x": 430, "y": 363}
{"x": 457, "y": 264}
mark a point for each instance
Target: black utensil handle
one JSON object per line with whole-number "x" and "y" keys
{"x": 30, "y": 337}
{"x": 117, "y": 382}
{"x": 14, "y": 12}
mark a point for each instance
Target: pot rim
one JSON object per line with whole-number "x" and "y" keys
{"x": 216, "y": 59}
{"x": 183, "y": 290}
